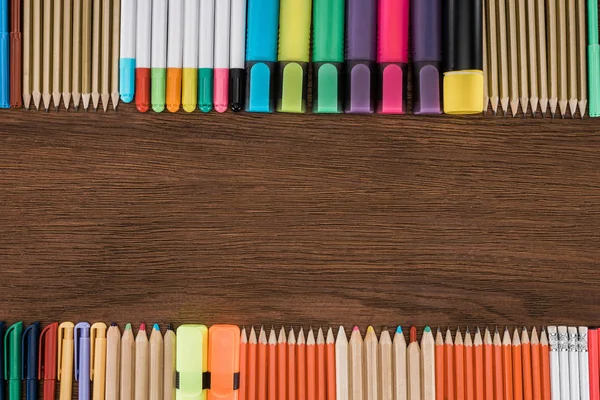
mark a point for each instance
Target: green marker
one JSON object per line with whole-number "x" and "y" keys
{"x": 593, "y": 58}
{"x": 158, "y": 71}
{"x": 328, "y": 55}
{"x": 12, "y": 360}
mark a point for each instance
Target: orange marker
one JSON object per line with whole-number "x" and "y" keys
{"x": 321, "y": 367}
{"x": 488, "y": 359}
{"x": 311, "y": 366}
{"x": 251, "y": 366}
{"x": 439, "y": 366}
{"x": 262, "y": 365}
{"x": 526, "y": 354}
{"x": 243, "y": 365}
{"x": 469, "y": 368}
{"x": 174, "y": 55}
{"x": 497, "y": 348}
{"x": 459, "y": 366}
{"x": 291, "y": 362}
{"x": 545, "y": 351}
{"x": 449, "y": 366}
{"x": 507, "y": 366}
{"x": 517, "y": 367}
{"x": 301, "y": 366}
{"x": 330, "y": 345}
{"x": 479, "y": 365}
{"x": 223, "y": 361}
{"x": 281, "y": 365}
{"x": 272, "y": 366}
{"x": 536, "y": 367}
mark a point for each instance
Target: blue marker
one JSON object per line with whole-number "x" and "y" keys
{"x": 82, "y": 359}
{"x": 127, "y": 51}
{"x": 4, "y": 60}
{"x": 261, "y": 55}
{"x": 31, "y": 338}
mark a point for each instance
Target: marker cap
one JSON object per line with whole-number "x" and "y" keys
{"x": 237, "y": 88}
{"x": 173, "y": 89}
{"x": 127, "y": 79}
{"x": 224, "y": 362}
{"x": 205, "y": 89}
{"x": 392, "y": 88}
{"x": 360, "y": 87}
{"x": 463, "y": 91}
{"x": 291, "y": 95}
{"x": 260, "y": 86}
{"x": 328, "y": 88}
{"x": 426, "y": 88}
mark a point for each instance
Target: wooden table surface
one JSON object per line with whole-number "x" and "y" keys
{"x": 299, "y": 219}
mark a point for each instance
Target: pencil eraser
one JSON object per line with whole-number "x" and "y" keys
{"x": 360, "y": 87}
{"x": 224, "y": 362}
{"x": 392, "y": 88}
{"x": 426, "y": 88}
{"x": 189, "y": 372}
{"x": 328, "y": 87}
{"x": 260, "y": 86}
{"x": 291, "y": 95}
{"x": 142, "y": 93}
{"x": 221, "y": 89}
{"x": 205, "y": 89}
{"x": 127, "y": 79}
{"x": 463, "y": 91}
{"x": 237, "y": 88}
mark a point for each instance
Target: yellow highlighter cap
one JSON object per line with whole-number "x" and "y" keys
{"x": 463, "y": 91}
{"x": 192, "y": 361}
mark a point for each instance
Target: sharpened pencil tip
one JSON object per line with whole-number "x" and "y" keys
{"x": 399, "y": 329}
{"x": 156, "y": 327}
{"x": 113, "y": 324}
{"x": 128, "y": 327}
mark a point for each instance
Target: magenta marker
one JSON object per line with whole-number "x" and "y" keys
{"x": 361, "y": 46}
{"x": 427, "y": 56}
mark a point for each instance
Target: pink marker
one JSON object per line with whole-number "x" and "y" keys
{"x": 392, "y": 56}
{"x": 221, "y": 49}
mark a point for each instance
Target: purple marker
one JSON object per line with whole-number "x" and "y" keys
{"x": 82, "y": 359}
{"x": 427, "y": 56}
{"x": 361, "y": 46}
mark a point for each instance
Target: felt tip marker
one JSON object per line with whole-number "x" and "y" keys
{"x": 4, "y": 57}
{"x": 174, "y": 55}
{"x": 13, "y": 360}
{"x": 427, "y": 56}
{"x": 143, "y": 49}
{"x": 261, "y": 55}
{"x": 222, "y": 33}
{"x": 189, "y": 81}
{"x": 159, "y": 55}
{"x": 237, "y": 55}
{"x": 81, "y": 336}
{"x": 463, "y": 57}
{"x": 30, "y": 346}
{"x": 293, "y": 57}
{"x": 206, "y": 62}
{"x": 16, "y": 55}
{"x": 328, "y": 56}
{"x": 361, "y": 56}
{"x": 593, "y": 51}
{"x": 392, "y": 56}
{"x": 127, "y": 50}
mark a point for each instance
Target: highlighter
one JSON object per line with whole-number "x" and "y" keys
{"x": 13, "y": 360}
{"x": 463, "y": 58}
{"x": 192, "y": 362}
{"x": 47, "y": 360}
{"x": 158, "y": 64}
{"x": 174, "y": 55}
{"x": 261, "y": 55}
{"x": 127, "y": 50}
{"x": 224, "y": 362}
{"x": 361, "y": 56}
{"x": 293, "y": 57}
{"x": 392, "y": 56}
{"x": 4, "y": 58}
{"x": 328, "y": 56}
{"x": 29, "y": 374}
{"x": 82, "y": 359}
{"x": 427, "y": 56}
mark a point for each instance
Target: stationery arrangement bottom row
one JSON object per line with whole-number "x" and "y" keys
{"x": 223, "y": 362}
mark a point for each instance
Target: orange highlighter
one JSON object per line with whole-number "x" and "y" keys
{"x": 224, "y": 362}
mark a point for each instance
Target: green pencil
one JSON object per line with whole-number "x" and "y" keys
{"x": 593, "y": 58}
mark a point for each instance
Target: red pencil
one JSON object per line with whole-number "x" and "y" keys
{"x": 261, "y": 382}
{"x": 459, "y": 366}
{"x": 291, "y": 370}
{"x": 507, "y": 366}
{"x": 281, "y": 364}
{"x": 440, "y": 375}
{"x": 517, "y": 356}
{"x": 321, "y": 367}
{"x": 311, "y": 366}
{"x": 449, "y": 366}
{"x": 469, "y": 368}
{"x": 497, "y": 347}
{"x": 301, "y": 366}
{"x": 527, "y": 375}
{"x": 330, "y": 344}
{"x": 272, "y": 366}
{"x": 251, "y": 367}
{"x": 593, "y": 364}
{"x": 488, "y": 357}
{"x": 479, "y": 365}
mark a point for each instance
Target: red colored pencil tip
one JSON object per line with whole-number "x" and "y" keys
{"x": 413, "y": 334}
{"x": 142, "y": 326}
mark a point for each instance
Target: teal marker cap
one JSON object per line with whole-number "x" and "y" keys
{"x": 328, "y": 88}
{"x": 260, "y": 86}
{"x": 205, "y": 89}
{"x": 158, "y": 79}
{"x": 127, "y": 79}
{"x": 594, "y": 79}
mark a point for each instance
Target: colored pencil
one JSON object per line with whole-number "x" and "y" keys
{"x": 399, "y": 359}
{"x": 57, "y": 54}
{"x": 371, "y": 365}
{"x": 513, "y": 56}
{"x": 428, "y": 389}
{"x": 563, "y": 73}
{"x": 261, "y": 374}
{"x": 96, "y": 67}
{"x": 170, "y": 343}
{"x": 243, "y": 364}
{"x": 86, "y": 52}
{"x": 281, "y": 364}
{"x": 533, "y": 60}
{"x": 507, "y": 366}
{"x": 522, "y": 45}
{"x": 582, "y": 62}
{"x": 542, "y": 55}
{"x": 479, "y": 365}
{"x": 291, "y": 362}
{"x": 498, "y": 379}
{"x": 488, "y": 359}
{"x": 47, "y": 54}
{"x": 67, "y": 49}
{"x": 330, "y": 361}
{"x": 311, "y": 366}
{"x": 113, "y": 356}
{"x": 552, "y": 56}
{"x": 157, "y": 364}
{"x": 517, "y": 357}
{"x": 573, "y": 78}
{"x": 252, "y": 365}
{"x": 141, "y": 364}
{"x": 593, "y": 355}
{"x": 526, "y": 357}
{"x": 301, "y": 366}
{"x": 272, "y": 366}
{"x": 492, "y": 63}
{"x": 469, "y": 367}
{"x": 459, "y": 366}
{"x": 321, "y": 366}
{"x": 105, "y": 60}
{"x": 77, "y": 54}
{"x": 439, "y": 366}
{"x": 546, "y": 374}
{"x": 536, "y": 359}
{"x": 449, "y": 367}
{"x": 341, "y": 365}
{"x": 413, "y": 366}
{"x": 115, "y": 50}
{"x": 355, "y": 357}
{"x": 127, "y": 364}
{"x": 503, "y": 56}
{"x": 386, "y": 380}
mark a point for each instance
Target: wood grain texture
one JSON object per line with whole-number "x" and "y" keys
{"x": 298, "y": 219}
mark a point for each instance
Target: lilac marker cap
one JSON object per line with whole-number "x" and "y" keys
{"x": 427, "y": 56}
{"x": 361, "y": 53}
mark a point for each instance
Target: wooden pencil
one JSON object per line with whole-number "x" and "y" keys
{"x": 449, "y": 366}
{"x": 321, "y": 367}
{"x": 523, "y": 59}
{"x": 492, "y": 63}
{"x": 341, "y": 365}
{"x": 526, "y": 356}
{"x": 469, "y": 366}
{"x": 330, "y": 361}
{"x": 86, "y": 52}
{"x": 243, "y": 364}
{"x": 498, "y": 381}
{"x": 386, "y": 365}
{"x": 67, "y": 50}
{"x": 141, "y": 364}
{"x": 541, "y": 55}
{"x": 488, "y": 358}
{"x": 311, "y": 366}
{"x": 572, "y": 67}
{"x": 47, "y": 54}
{"x": 105, "y": 57}
{"x": 96, "y": 66}
{"x": 27, "y": 47}
{"x": 57, "y": 54}
{"x": 552, "y": 48}
{"x": 113, "y": 361}
{"x": 581, "y": 57}
{"x": 545, "y": 352}
{"x": 439, "y": 366}
{"x": 413, "y": 355}
{"x": 115, "y": 53}
{"x": 507, "y": 366}
{"x": 371, "y": 363}
{"x": 261, "y": 373}
{"x": 291, "y": 362}
{"x": 486, "y": 79}
{"x": 503, "y": 58}
{"x": 536, "y": 371}
{"x": 272, "y": 366}
{"x": 479, "y": 365}
{"x": 513, "y": 56}
{"x": 127, "y": 364}
{"x": 251, "y": 365}
{"x": 355, "y": 357}
{"x": 533, "y": 61}
{"x": 399, "y": 360}
{"x": 281, "y": 364}
{"x": 301, "y": 366}
{"x": 428, "y": 389}
{"x": 36, "y": 56}
{"x": 459, "y": 366}
{"x": 563, "y": 71}
{"x": 170, "y": 363}
{"x": 517, "y": 367}
{"x": 77, "y": 54}
{"x": 156, "y": 353}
